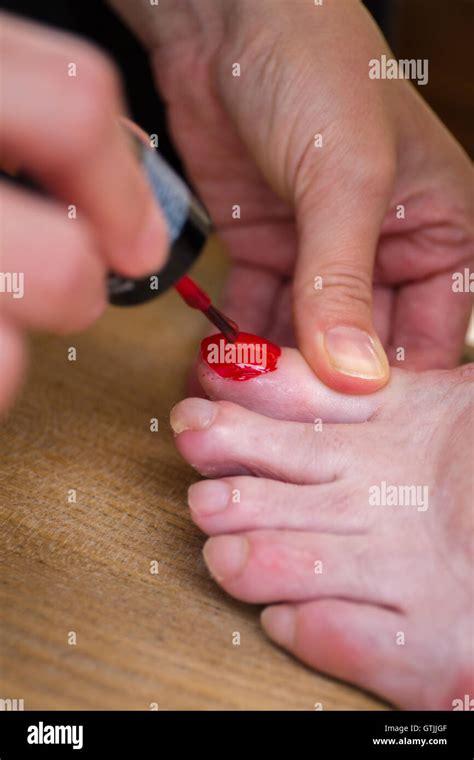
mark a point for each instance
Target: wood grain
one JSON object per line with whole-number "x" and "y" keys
{"x": 85, "y": 567}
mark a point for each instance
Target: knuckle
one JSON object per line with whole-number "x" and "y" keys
{"x": 367, "y": 172}
{"x": 373, "y": 172}
{"x": 343, "y": 287}
{"x": 339, "y": 445}
{"x": 228, "y": 412}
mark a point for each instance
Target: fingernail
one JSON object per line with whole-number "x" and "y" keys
{"x": 225, "y": 556}
{"x": 192, "y": 414}
{"x": 280, "y": 623}
{"x": 149, "y": 248}
{"x": 354, "y": 352}
{"x": 209, "y": 496}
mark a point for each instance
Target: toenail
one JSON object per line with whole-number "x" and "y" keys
{"x": 192, "y": 414}
{"x": 280, "y": 622}
{"x": 225, "y": 556}
{"x": 209, "y": 496}
{"x": 354, "y": 352}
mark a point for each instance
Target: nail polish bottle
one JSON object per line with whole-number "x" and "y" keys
{"x": 188, "y": 227}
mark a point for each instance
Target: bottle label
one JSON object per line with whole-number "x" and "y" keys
{"x": 170, "y": 191}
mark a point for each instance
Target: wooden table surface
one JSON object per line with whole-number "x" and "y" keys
{"x": 83, "y": 568}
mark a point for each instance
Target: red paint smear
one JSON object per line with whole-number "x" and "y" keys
{"x": 243, "y": 370}
{"x": 192, "y": 294}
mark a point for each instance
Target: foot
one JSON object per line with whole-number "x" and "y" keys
{"x": 301, "y": 514}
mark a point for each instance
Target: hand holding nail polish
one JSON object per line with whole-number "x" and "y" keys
{"x": 96, "y": 211}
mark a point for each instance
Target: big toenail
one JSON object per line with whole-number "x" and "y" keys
{"x": 209, "y": 496}
{"x": 354, "y": 352}
{"x": 225, "y": 556}
{"x": 192, "y": 414}
{"x": 280, "y": 622}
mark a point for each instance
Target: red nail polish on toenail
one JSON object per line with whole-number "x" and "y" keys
{"x": 249, "y": 356}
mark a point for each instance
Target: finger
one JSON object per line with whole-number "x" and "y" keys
{"x": 339, "y": 231}
{"x": 219, "y": 438}
{"x": 430, "y": 323}
{"x": 383, "y": 309}
{"x": 294, "y": 392}
{"x": 79, "y": 152}
{"x": 244, "y": 503}
{"x": 248, "y": 297}
{"x": 282, "y": 329}
{"x": 53, "y": 262}
{"x": 12, "y": 362}
{"x": 257, "y": 292}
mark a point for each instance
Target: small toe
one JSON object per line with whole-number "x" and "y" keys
{"x": 221, "y": 438}
{"x": 355, "y": 642}
{"x": 243, "y": 503}
{"x": 282, "y": 565}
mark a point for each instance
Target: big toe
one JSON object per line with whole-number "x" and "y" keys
{"x": 291, "y": 391}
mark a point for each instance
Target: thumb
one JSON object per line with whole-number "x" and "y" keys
{"x": 338, "y": 236}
